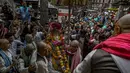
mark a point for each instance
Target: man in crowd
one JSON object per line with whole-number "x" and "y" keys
{"x": 6, "y": 64}
{"x": 36, "y": 34}
{"x": 74, "y": 51}
{"x": 112, "y": 55}
{"x": 30, "y": 40}
{"x": 42, "y": 61}
{"x": 24, "y": 13}
{"x": 15, "y": 46}
{"x": 27, "y": 60}
{"x": 28, "y": 56}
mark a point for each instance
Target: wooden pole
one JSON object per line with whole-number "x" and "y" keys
{"x": 69, "y": 11}
{"x": 43, "y": 12}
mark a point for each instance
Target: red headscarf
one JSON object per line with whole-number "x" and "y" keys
{"x": 118, "y": 45}
{"x": 54, "y": 25}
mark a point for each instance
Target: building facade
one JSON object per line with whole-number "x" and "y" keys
{"x": 96, "y": 4}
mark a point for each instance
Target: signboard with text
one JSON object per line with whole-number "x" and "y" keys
{"x": 63, "y": 13}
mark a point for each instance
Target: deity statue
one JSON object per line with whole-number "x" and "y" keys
{"x": 57, "y": 52}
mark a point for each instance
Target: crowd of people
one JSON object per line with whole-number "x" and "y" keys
{"x": 96, "y": 44}
{"x": 92, "y": 29}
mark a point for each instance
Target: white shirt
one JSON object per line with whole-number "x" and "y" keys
{"x": 38, "y": 36}
{"x": 14, "y": 47}
{"x": 42, "y": 65}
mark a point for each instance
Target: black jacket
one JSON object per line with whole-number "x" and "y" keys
{"x": 102, "y": 62}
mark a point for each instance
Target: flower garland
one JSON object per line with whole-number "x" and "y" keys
{"x": 58, "y": 53}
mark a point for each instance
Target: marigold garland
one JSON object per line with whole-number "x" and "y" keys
{"x": 58, "y": 52}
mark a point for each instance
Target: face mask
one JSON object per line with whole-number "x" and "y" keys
{"x": 30, "y": 6}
